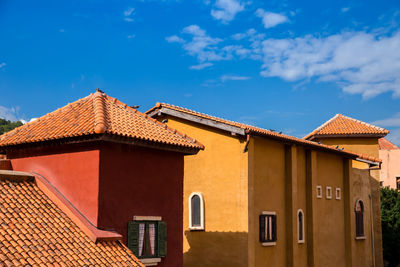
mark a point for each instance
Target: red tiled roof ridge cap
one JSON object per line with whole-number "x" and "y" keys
{"x": 156, "y": 122}
{"x": 99, "y": 115}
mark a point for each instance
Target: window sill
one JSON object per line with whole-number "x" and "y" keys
{"x": 360, "y": 237}
{"x": 301, "y": 241}
{"x": 268, "y": 244}
{"x": 196, "y": 228}
{"x": 150, "y": 261}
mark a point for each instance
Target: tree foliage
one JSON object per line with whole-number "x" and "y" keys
{"x": 390, "y": 201}
{"x": 6, "y": 125}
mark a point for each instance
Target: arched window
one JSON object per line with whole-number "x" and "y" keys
{"x": 359, "y": 212}
{"x": 300, "y": 226}
{"x": 196, "y": 212}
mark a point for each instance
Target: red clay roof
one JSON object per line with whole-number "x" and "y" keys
{"x": 96, "y": 114}
{"x": 263, "y": 132}
{"x": 34, "y": 231}
{"x": 341, "y": 125}
{"x": 385, "y": 144}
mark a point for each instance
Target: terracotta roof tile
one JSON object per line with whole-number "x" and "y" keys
{"x": 263, "y": 132}
{"x": 341, "y": 125}
{"x": 97, "y": 113}
{"x": 385, "y": 144}
{"x": 54, "y": 243}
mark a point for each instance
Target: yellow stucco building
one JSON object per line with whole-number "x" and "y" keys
{"x": 255, "y": 197}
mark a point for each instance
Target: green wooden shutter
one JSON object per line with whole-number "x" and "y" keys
{"x": 162, "y": 239}
{"x": 133, "y": 237}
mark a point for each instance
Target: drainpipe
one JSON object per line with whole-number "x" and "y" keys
{"x": 372, "y": 230}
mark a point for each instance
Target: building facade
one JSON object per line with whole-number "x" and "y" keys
{"x": 259, "y": 198}
{"x": 390, "y": 171}
{"x": 121, "y": 171}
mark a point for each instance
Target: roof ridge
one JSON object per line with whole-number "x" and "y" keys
{"x": 322, "y": 126}
{"x": 365, "y": 123}
{"x": 39, "y": 119}
{"x": 99, "y": 113}
{"x": 255, "y": 129}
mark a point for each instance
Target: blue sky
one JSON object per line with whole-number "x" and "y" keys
{"x": 283, "y": 65}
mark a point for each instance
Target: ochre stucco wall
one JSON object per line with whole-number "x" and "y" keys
{"x": 267, "y": 193}
{"x": 220, "y": 174}
{"x": 73, "y": 170}
{"x": 142, "y": 182}
{"x": 366, "y": 146}
{"x": 330, "y": 212}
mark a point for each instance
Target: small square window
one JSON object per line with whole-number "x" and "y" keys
{"x": 398, "y": 182}
{"x": 338, "y": 193}
{"x": 268, "y": 228}
{"x": 328, "y": 192}
{"x": 319, "y": 191}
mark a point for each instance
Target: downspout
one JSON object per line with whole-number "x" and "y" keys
{"x": 247, "y": 143}
{"x": 372, "y": 230}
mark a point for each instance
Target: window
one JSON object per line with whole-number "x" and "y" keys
{"x": 359, "y": 212}
{"x": 338, "y": 193}
{"x": 319, "y": 191}
{"x": 398, "y": 182}
{"x": 147, "y": 237}
{"x": 381, "y": 183}
{"x": 300, "y": 226}
{"x": 268, "y": 228}
{"x": 196, "y": 212}
{"x": 328, "y": 192}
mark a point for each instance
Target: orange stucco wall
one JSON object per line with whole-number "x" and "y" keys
{"x": 72, "y": 170}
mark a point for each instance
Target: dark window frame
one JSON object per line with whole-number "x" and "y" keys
{"x": 268, "y": 220}
{"x": 359, "y": 218}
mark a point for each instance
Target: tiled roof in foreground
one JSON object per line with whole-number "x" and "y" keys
{"x": 260, "y": 131}
{"x": 341, "y": 125}
{"x": 34, "y": 231}
{"x": 97, "y": 114}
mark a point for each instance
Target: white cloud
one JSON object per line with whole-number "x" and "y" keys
{"x": 271, "y": 19}
{"x": 345, "y": 9}
{"x": 389, "y": 122}
{"x": 201, "y": 45}
{"x": 174, "y": 39}
{"x": 228, "y": 77}
{"x": 359, "y": 62}
{"x": 131, "y": 36}
{"x": 201, "y": 66}
{"x": 226, "y": 10}
{"x": 9, "y": 113}
{"x": 3, "y": 64}
{"x": 128, "y": 13}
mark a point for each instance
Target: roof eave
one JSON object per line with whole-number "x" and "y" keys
{"x": 360, "y": 135}
{"x": 187, "y": 150}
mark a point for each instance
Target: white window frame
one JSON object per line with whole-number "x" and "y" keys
{"x": 298, "y": 227}
{"x": 319, "y": 191}
{"x": 201, "y": 227}
{"x": 328, "y": 192}
{"x": 338, "y": 193}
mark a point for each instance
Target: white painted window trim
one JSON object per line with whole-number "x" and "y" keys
{"x": 328, "y": 192}
{"x": 298, "y": 227}
{"x": 201, "y": 227}
{"x": 338, "y": 193}
{"x": 150, "y": 261}
{"x": 319, "y": 191}
{"x": 269, "y": 244}
{"x": 147, "y": 218}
